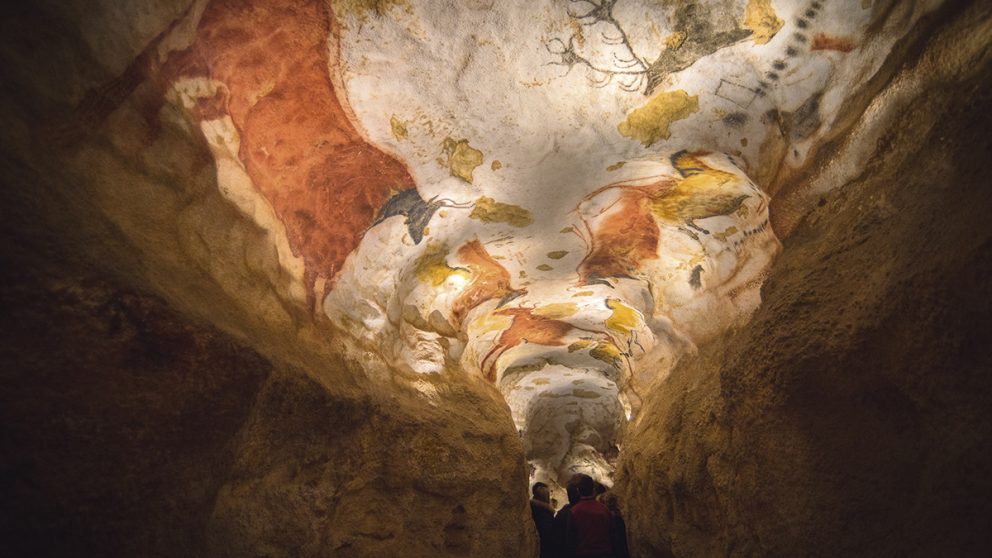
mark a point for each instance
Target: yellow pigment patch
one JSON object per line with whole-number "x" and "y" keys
{"x": 545, "y": 267}
{"x": 583, "y": 293}
{"x": 579, "y": 345}
{"x": 399, "y": 128}
{"x": 557, "y": 310}
{"x": 496, "y": 165}
{"x": 567, "y": 230}
{"x": 675, "y": 40}
{"x": 488, "y": 323}
{"x": 728, "y": 232}
{"x": 585, "y": 394}
{"x": 651, "y": 122}
{"x": 489, "y": 210}
{"x": 608, "y": 353}
{"x": 692, "y": 262}
{"x": 557, "y": 254}
{"x": 431, "y": 267}
{"x": 541, "y": 381}
{"x": 624, "y": 319}
{"x": 462, "y": 158}
{"x": 616, "y": 166}
{"x": 760, "y": 18}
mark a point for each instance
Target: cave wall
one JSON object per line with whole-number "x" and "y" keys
{"x": 850, "y": 417}
{"x": 131, "y": 429}
{"x": 165, "y": 388}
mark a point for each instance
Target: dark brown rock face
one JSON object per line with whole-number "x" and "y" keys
{"x": 117, "y": 419}
{"x": 851, "y": 417}
{"x": 128, "y": 430}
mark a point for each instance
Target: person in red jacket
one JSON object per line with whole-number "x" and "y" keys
{"x": 588, "y": 530}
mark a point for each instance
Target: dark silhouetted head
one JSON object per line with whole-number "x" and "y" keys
{"x": 572, "y": 490}
{"x": 587, "y": 487}
{"x": 540, "y": 491}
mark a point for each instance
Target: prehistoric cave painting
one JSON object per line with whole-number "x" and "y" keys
{"x": 651, "y": 122}
{"x": 706, "y": 32}
{"x": 266, "y": 67}
{"x": 703, "y": 192}
{"x": 460, "y": 158}
{"x": 822, "y": 41}
{"x": 621, "y": 220}
{"x": 323, "y": 179}
{"x": 416, "y": 211}
{"x": 100, "y": 102}
{"x": 526, "y": 326}
{"x": 740, "y": 95}
{"x": 696, "y": 35}
{"x": 805, "y": 120}
{"x": 798, "y": 44}
{"x": 630, "y": 68}
{"x": 620, "y": 235}
{"x": 761, "y": 19}
{"x": 623, "y": 322}
{"x": 669, "y": 254}
{"x": 489, "y": 210}
{"x": 489, "y": 281}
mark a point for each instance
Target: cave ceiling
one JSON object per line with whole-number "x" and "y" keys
{"x": 562, "y": 197}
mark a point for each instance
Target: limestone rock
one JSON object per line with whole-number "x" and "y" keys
{"x": 850, "y": 416}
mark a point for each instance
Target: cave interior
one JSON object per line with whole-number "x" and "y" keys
{"x": 346, "y": 277}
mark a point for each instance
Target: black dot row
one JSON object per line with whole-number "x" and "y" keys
{"x": 793, "y": 49}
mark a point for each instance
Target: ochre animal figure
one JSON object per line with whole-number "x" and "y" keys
{"x": 623, "y": 322}
{"x": 621, "y": 230}
{"x": 701, "y": 193}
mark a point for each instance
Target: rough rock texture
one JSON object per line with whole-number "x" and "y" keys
{"x": 127, "y": 429}
{"x": 164, "y": 390}
{"x": 851, "y": 416}
{"x": 183, "y": 182}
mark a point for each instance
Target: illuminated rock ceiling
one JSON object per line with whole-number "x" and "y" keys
{"x": 563, "y": 197}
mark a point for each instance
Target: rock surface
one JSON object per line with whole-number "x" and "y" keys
{"x": 273, "y": 270}
{"x": 165, "y": 389}
{"x": 131, "y": 430}
{"x": 851, "y": 416}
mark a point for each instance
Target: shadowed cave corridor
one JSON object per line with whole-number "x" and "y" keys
{"x": 345, "y": 277}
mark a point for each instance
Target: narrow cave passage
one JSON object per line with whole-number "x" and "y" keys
{"x": 346, "y": 278}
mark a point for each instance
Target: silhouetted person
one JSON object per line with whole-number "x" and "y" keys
{"x": 562, "y": 517}
{"x": 618, "y": 527}
{"x": 587, "y": 534}
{"x": 544, "y": 519}
{"x": 599, "y": 489}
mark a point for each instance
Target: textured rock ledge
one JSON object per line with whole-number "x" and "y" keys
{"x": 850, "y": 417}
{"x": 129, "y": 429}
